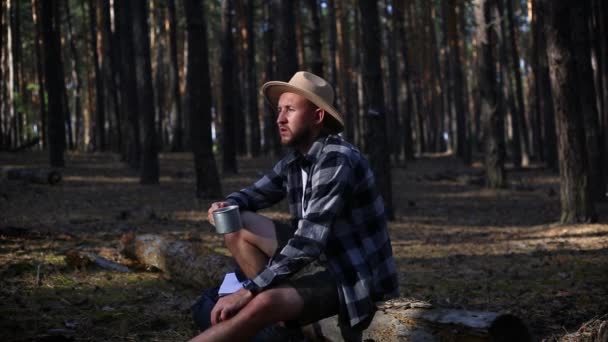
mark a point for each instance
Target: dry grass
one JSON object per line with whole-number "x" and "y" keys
{"x": 456, "y": 245}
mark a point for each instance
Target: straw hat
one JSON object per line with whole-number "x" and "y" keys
{"x": 312, "y": 87}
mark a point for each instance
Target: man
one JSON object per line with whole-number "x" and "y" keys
{"x": 335, "y": 256}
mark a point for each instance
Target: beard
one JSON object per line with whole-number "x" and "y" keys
{"x": 298, "y": 137}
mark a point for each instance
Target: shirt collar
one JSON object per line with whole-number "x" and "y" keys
{"x": 313, "y": 153}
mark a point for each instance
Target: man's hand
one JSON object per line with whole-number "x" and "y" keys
{"x": 230, "y": 305}
{"x": 215, "y": 206}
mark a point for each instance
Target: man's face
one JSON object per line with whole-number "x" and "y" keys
{"x": 295, "y": 119}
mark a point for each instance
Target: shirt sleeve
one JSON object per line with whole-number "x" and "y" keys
{"x": 331, "y": 184}
{"x": 267, "y": 191}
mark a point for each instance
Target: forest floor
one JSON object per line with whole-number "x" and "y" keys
{"x": 457, "y": 244}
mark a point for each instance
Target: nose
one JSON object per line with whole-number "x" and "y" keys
{"x": 281, "y": 117}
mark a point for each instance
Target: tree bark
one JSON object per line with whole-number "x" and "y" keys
{"x": 544, "y": 93}
{"x": 39, "y": 72}
{"x": 185, "y": 262}
{"x": 76, "y": 79}
{"x": 132, "y": 144}
{"x": 108, "y": 71}
{"x": 523, "y": 126}
{"x": 376, "y": 138}
{"x": 458, "y": 83}
{"x": 2, "y": 81}
{"x": 17, "y": 65}
{"x": 271, "y": 138}
{"x": 198, "y": 102}
{"x": 314, "y": 26}
{"x": 54, "y": 81}
{"x": 145, "y": 93}
{"x": 230, "y": 91}
{"x": 331, "y": 76}
{"x": 575, "y": 196}
{"x": 177, "y": 144}
{"x": 251, "y": 82}
{"x": 284, "y": 35}
{"x": 406, "y": 79}
{"x": 100, "y": 112}
{"x": 581, "y": 11}
{"x": 491, "y": 116}
{"x": 507, "y": 88}
{"x": 344, "y": 69}
{"x": 393, "y": 127}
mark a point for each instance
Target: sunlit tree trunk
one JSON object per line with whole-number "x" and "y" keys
{"x": 406, "y": 79}
{"x": 458, "y": 82}
{"x": 198, "y": 98}
{"x": 54, "y": 80}
{"x": 576, "y": 202}
{"x": 379, "y": 152}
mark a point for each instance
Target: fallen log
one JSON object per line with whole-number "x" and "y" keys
{"x": 406, "y": 320}
{"x": 39, "y": 176}
{"x": 186, "y": 262}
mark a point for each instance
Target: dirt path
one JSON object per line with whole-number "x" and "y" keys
{"x": 456, "y": 243}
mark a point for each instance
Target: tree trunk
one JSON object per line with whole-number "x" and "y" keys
{"x": 39, "y": 71}
{"x": 160, "y": 72}
{"x": 54, "y": 80}
{"x": 17, "y": 65}
{"x": 145, "y": 93}
{"x": 543, "y": 84}
{"x": 492, "y": 118}
{"x": 576, "y": 202}
{"x": 379, "y": 152}
{"x": 230, "y": 91}
{"x": 2, "y": 81}
{"x": 458, "y": 83}
{"x": 132, "y": 144}
{"x": 521, "y": 119}
{"x": 198, "y": 102}
{"x": 100, "y": 134}
{"x": 582, "y": 55}
{"x": 11, "y": 123}
{"x": 271, "y": 138}
{"x": 344, "y": 68}
{"x": 314, "y": 26}
{"x": 406, "y": 79}
{"x": 507, "y": 88}
{"x": 109, "y": 69}
{"x": 76, "y": 79}
{"x": 251, "y": 82}
{"x": 284, "y": 35}
{"x": 177, "y": 144}
{"x": 393, "y": 129}
{"x": 331, "y": 76}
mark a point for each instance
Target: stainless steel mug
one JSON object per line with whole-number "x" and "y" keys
{"x": 227, "y": 219}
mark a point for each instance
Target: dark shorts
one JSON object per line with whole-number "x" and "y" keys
{"x": 314, "y": 283}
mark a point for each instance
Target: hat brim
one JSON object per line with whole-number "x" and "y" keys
{"x": 272, "y": 91}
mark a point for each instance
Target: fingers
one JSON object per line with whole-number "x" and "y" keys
{"x": 215, "y": 315}
{"x": 215, "y": 206}
{"x": 225, "y": 314}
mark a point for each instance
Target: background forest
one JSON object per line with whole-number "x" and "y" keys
{"x": 485, "y": 122}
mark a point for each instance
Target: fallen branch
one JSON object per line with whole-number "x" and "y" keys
{"x": 39, "y": 176}
{"x": 79, "y": 259}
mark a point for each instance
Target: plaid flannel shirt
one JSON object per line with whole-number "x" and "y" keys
{"x": 343, "y": 223}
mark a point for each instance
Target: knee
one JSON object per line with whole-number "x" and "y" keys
{"x": 233, "y": 238}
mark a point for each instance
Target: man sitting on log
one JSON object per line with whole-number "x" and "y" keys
{"x": 335, "y": 256}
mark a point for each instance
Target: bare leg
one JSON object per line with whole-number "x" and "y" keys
{"x": 270, "y": 306}
{"x": 253, "y": 245}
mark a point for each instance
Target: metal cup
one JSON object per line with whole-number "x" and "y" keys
{"x": 227, "y": 219}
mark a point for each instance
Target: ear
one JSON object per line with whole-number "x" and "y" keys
{"x": 319, "y": 116}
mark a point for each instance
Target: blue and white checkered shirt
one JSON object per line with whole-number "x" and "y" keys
{"x": 343, "y": 223}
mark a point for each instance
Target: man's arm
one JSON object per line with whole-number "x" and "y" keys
{"x": 331, "y": 183}
{"x": 267, "y": 191}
